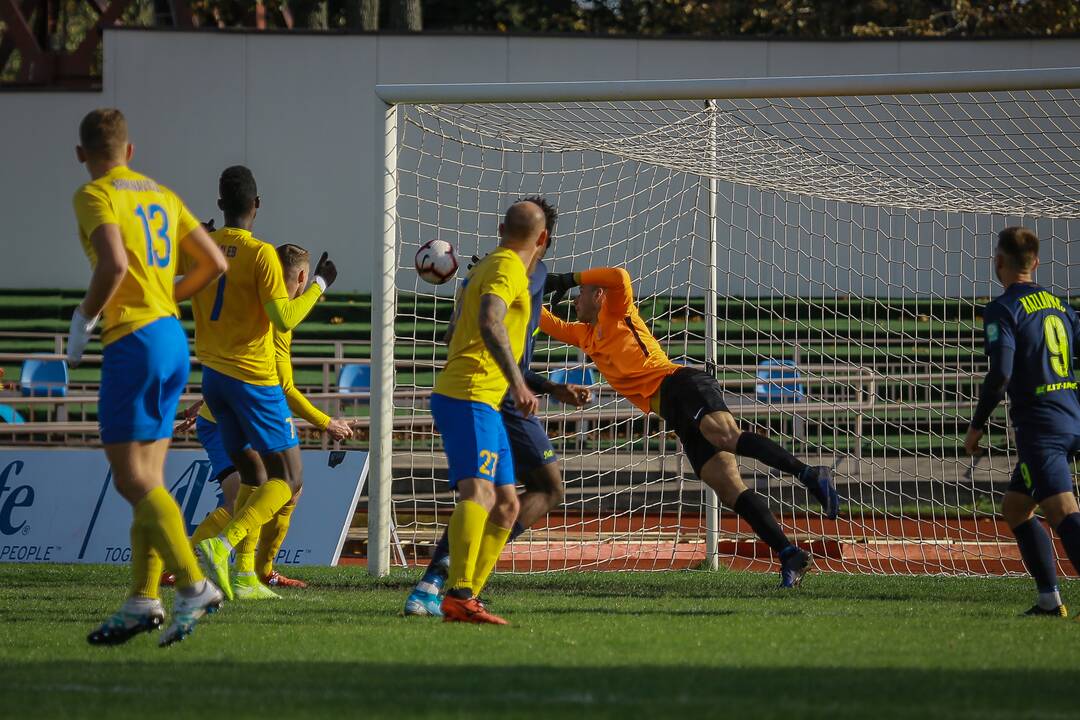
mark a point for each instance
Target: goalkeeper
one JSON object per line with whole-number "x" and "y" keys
{"x": 611, "y": 332}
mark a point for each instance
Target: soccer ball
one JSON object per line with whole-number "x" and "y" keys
{"x": 436, "y": 261}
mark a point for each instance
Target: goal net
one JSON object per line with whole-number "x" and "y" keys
{"x": 827, "y": 257}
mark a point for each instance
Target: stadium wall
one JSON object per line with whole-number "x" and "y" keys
{"x": 297, "y": 109}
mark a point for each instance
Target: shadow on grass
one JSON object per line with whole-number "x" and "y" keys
{"x": 114, "y": 688}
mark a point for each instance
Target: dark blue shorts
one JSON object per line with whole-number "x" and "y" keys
{"x": 246, "y": 414}
{"x": 142, "y": 377}
{"x": 1045, "y": 467}
{"x": 529, "y": 442}
{"x": 474, "y": 439}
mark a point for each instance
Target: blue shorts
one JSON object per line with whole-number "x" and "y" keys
{"x": 474, "y": 440}
{"x": 529, "y": 442}
{"x": 246, "y": 414}
{"x": 142, "y": 377}
{"x": 1045, "y": 467}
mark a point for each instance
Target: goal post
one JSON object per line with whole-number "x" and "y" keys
{"x": 814, "y": 240}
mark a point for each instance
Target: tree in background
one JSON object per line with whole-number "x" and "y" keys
{"x": 61, "y": 26}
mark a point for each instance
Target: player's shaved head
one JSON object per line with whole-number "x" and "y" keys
{"x": 1018, "y": 247}
{"x": 103, "y": 134}
{"x": 237, "y": 191}
{"x": 523, "y": 222}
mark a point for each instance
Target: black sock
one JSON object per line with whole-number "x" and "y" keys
{"x": 1069, "y": 532}
{"x": 1038, "y": 554}
{"x": 762, "y": 448}
{"x": 751, "y": 508}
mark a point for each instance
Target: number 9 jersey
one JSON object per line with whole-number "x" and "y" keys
{"x": 152, "y": 221}
{"x": 1042, "y": 335}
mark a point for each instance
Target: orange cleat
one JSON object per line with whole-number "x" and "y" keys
{"x": 469, "y": 611}
{"x": 167, "y": 579}
{"x": 276, "y": 579}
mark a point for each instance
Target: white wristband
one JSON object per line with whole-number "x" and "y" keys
{"x": 317, "y": 280}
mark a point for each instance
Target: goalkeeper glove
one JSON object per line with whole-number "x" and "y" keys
{"x": 325, "y": 271}
{"x": 79, "y": 335}
{"x": 559, "y": 283}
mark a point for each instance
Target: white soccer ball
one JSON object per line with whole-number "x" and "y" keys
{"x": 436, "y": 261}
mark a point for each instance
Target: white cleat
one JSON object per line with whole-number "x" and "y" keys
{"x": 188, "y": 610}
{"x": 136, "y": 616}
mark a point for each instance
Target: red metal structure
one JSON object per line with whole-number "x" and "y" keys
{"x": 34, "y": 28}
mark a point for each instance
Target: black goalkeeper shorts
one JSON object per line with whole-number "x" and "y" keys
{"x": 686, "y": 396}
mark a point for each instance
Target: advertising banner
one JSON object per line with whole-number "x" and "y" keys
{"x": 59, "y": 505}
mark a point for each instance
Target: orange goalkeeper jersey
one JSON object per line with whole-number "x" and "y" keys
{"x": 620, "y": 344}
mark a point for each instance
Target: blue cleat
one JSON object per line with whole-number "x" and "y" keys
{"x": 794, "y": 563}
{"x": 819, "y": 481}
{"x": 423, "y": 604}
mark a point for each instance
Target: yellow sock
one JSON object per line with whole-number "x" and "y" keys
{"x": 263, "y": 504}
{"x": 211, "y": 525}
{"x": 491, "y": 545}
{"x": 272, "y": 536}
{"x": 466, "y": 530}
{"x": 242, "y": 496}
{"x": 158, "y": 516}
{"x": 245, "y": 550}
{"x": 146, "y": 565}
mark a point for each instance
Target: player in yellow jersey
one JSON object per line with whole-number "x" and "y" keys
{"x": 295, "y": 263}
{"x": 235, "y": 322}
{"x": 487, "y": 339}
{"x": 133, "y": 230}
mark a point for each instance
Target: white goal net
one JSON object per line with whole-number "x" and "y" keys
{"x": 827, "y": 257}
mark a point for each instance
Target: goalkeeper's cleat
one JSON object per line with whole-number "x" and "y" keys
{"x": 214, "y": 558}
{"x": 468, "y": 611}
{"x": 127, "y": 622}
{"x": 819, "y": 481}
{"x": 276, "y": 579}
{"x": 188, "y": 610}
{"x": 794, "y": 563}
{"x": 423, "y": 604}
{"x": 168, "y": 580}
{"x": 1035, "y": 611}
{"x": 246, "y": 586}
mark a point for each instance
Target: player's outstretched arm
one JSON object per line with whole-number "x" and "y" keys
{"x": 285, "y": 314}
{"x": 497, "y": 341}
{"x": 571, "y": 333}
{"x": 207, "y": 263}
{"x": 576, "y": 395}
{"x": 297, "y": 401}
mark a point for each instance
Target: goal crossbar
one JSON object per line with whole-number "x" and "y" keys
{"x": 729, "y": 88}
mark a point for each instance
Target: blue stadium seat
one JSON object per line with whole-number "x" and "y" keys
{"x": 44, "y": 378}
{"x": 354, "y": 378}
{"x": 573, "y": 376}
{"x": 9, "y": 414}
{"x": 768, "y": 390}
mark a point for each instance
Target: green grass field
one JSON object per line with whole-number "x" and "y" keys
{"x": 687, "y": 645}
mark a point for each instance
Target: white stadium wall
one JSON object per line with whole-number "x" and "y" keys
{"x": 297, "y": 109}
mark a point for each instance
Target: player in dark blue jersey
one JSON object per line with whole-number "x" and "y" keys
{"x": 1032, "y": 338}
{"x": 535, "y": 461}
